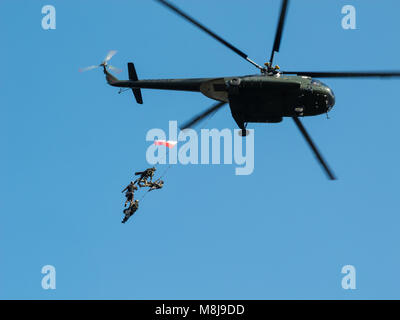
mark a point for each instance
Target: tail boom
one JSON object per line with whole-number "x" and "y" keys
{"x": 163, "y": 84}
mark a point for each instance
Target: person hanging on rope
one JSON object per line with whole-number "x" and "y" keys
{"x": 146, "y": 176}
{"x": 158, "y": 184}
{"x": 129, "y": 212}
{"x": 130, "y": 192}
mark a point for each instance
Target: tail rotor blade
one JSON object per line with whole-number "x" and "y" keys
{"x": 202, "y": 115}
{"x": 320, "y": 159}
{"x": 88, "y": 68}
{"x": 116, "y": 70}
{"x": 109, "y": 55}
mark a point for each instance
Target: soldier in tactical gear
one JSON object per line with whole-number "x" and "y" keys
{"x": 129, "y": 212}
{"x": 130, "y": 190}
{"x": 158, "y": 184}
{"x": 145, "y": 175}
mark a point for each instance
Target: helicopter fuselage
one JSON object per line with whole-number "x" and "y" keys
{"x": 253, "y": 98}
{"x": 269, "y": 98}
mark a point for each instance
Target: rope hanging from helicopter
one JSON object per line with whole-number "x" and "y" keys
{"x": 164, "y": 173}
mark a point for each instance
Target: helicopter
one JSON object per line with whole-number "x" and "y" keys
{"x": 267, "y": 97}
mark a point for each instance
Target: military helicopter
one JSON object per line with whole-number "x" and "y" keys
{"x": 266, "y": 98}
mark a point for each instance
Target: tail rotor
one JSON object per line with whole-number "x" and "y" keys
{"x": 104, "y": 64}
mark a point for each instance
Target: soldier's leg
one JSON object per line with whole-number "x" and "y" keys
{"x": 142, "y": 183}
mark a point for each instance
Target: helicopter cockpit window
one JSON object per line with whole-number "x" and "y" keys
{"x": 316, "y": 82}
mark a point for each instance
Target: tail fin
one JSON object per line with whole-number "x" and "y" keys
{"x": 133, "y": 76}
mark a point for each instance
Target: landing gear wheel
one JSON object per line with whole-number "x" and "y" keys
{"x": 244, "y": 132}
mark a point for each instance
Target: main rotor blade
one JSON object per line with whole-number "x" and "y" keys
{"x": 314, "y": 148}
{"x": 279, "y": 30}
{"x": 202, "y": 115}
{"x": 209, "y": 32}
{"x": 335, "y": 74}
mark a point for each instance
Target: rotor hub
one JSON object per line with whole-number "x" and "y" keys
{"x": 269, "y": 69}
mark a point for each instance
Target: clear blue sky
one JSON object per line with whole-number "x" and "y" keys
{"x": 71, "y": 143}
